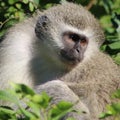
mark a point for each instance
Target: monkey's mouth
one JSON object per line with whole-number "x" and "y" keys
{"x": 71, "y": 56}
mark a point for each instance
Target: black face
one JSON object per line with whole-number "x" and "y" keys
{"x": 75, "y": 46}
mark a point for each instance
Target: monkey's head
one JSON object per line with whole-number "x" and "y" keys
{"x": 70, "y": 31}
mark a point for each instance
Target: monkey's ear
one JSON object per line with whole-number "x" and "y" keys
{"x": 42, "y": 25}
{"x": 42, "y": 21}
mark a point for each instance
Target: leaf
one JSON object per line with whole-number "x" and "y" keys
{"x": 61, "y": 109}
{"x": 46, "y": 100}
{"x": 18, "y": 5}
{"x": 25, "y": 1}
{"x": 35, "y": 108}
{"x": 37, "y": 98}
{"x": 19, "y": 15}
{"x": 117, "y": 59}
{"x": 27, "y": 113}
{"x": 23, "y": 89}
{"x": 11, "y": 9}
{"x": 116, "y": 94}
{"x": 31, "y": 7}
{"x": 64, "y": 105}
{"x": 36, "y": 2}
{"x": 106, "y": 23}
{"x": 103, "y": 47}
{"x": 8, "y": 96}
{"x": 3, "y": 4}
{"x": 7, "y": 113}
{"x": 48, "y": 5}
{"x": 115, "y": 45}
{"x": 6, "y": 110}
{"x": 110, "y": 110}
{"x": 104, "y": 115}
{"x": 116, "y": 107}
{"x": 11, "y": 2}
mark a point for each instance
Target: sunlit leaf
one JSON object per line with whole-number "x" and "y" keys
{"x": 25, "y": 1}
{"x": 12, "y": 1}
{"x": 21, "y": 88}
{"x": 31, "y": 6}
{"x": 115, "y": 45}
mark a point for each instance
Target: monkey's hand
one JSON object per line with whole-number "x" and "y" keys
{"x": 60, "y": 91}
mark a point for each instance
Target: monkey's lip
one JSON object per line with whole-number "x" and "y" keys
{"x": 69, "y": 58}
{"x": 69, "y": 63}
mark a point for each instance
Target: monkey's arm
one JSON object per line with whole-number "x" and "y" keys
{"x": 60, "y": 91}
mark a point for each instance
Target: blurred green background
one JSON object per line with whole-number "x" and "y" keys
{"x": 106, "y": 11}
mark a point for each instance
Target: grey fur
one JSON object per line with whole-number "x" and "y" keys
{"x": 30, "y": 54}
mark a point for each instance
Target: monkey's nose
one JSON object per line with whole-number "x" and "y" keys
{"x": 70, "y": 55}
{"x": 77, "y": 47}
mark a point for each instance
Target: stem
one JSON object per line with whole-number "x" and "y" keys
{"x": 91, "y": 3}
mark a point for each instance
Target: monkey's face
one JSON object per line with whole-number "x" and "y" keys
{"x": 74, "y": 47}
{"x": 70, "y": 31}
{"x": 68, "y": 44}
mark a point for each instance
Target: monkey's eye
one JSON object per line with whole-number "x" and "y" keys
{"x": 83, "y": 40}
{"x": 77, "y": 38}
{"x": 74, "y": 37}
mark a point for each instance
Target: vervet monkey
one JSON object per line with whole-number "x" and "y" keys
{"x": 61, "y": 45}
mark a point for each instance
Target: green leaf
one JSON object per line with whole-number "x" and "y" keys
{"x": 31, "y": 7}
{"x": 35, "y": 108}
{"x": 6, "y": 110}
{"x": 37, "y": 98}
{"x": 104, "y": 115}
{"x": 106, "y": 23}
{"x": 117, "y": 59}
{"x": 61, "y": 109}
{"x": 3, "y": 4}
{"x": 7, "y": 113}
{"x": 8, "y": 96}
{"x": 63, "y": 105}
{"x": 25, "y": 1}
{"x": 11, "y": 2}
{"x": 27, "y": 113}
{"x": 6, "y": 15}
{"x": 115, "y": 45}
{"x": 110, "y": 110}
{"x": 23, "y": 89}
{"x": 11, "y": 9}
{"x": 116, "y": 94}
{"x": 19, "y": 15}
{"x": 48, "y": 5}
{"x": 46, "y": 100}
{"x": 18, "y": 5}
{"x": 103, "y": 47}
{"x": 116, "y": 107}
{"x": 36, "y": 2}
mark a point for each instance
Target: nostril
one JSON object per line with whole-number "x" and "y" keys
{"x": 77, "y": 50}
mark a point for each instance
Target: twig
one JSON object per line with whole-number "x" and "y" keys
{"x": 89, "y": 6}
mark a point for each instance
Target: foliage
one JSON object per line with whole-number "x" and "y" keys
{"x": 111, "y": 24}
{"x": 114, "y": 108}
{"x": 13, "y": 11}
{"x": 31, "y": 106}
